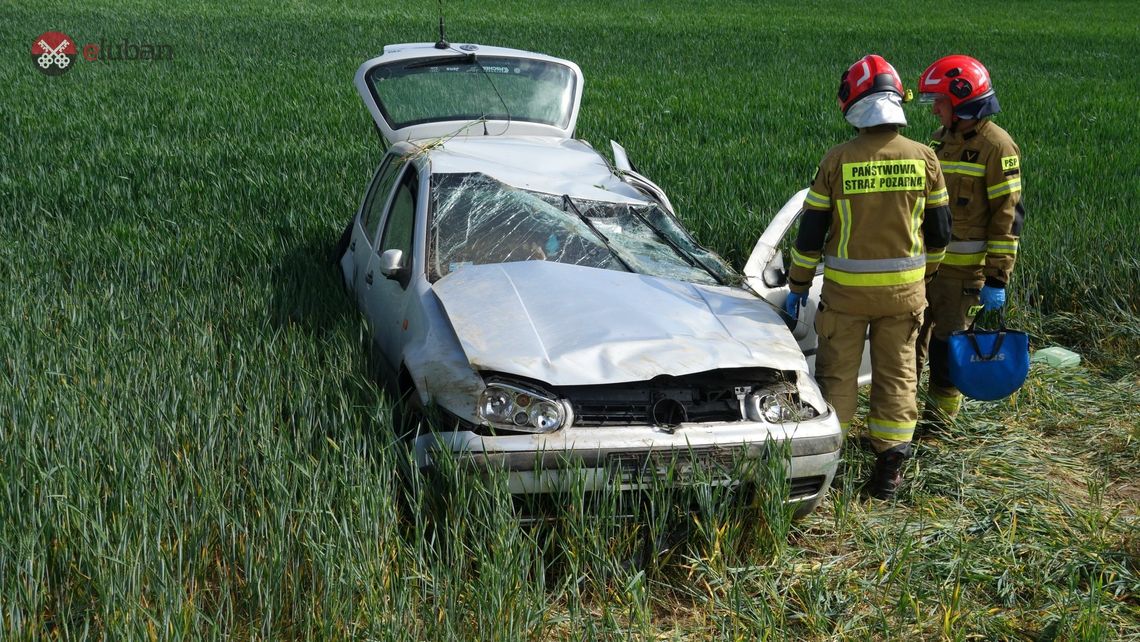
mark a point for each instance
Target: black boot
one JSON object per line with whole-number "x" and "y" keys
{"x": 887, "y": 476}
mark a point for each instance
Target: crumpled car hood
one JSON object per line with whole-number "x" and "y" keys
{"x": 571, "y": 325}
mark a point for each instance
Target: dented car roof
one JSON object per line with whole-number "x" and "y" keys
{"x": 537, "y": 163}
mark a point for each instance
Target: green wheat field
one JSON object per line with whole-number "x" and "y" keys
{"x": 192, "y": 444}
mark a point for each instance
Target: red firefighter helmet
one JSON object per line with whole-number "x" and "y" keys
{"x": 963, "y": 80}
{"x": 869, "y": 75}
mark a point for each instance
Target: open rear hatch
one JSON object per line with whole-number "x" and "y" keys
{"x": 417, "y": 92}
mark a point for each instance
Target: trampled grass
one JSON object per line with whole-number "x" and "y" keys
{"x": 191, "y": 445}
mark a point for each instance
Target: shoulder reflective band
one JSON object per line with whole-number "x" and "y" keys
{"x": 884, "y": 176}
{"x": 938, "y": 197}
{"x": 1001, "y": 247}
{"x": 874, "y": 272}
{"x": 965, "y": 253}
{"x": 803, "y": 261}
{"x": 844, "y": 207}
{"x": 1010, "y": 162}
{"x": 817, "y": 201}
{"x": 890, "y": 430}
{"x": 966, "y": 169}
{"x": 916, "y": 227}
{"x": 1008, "y": 187}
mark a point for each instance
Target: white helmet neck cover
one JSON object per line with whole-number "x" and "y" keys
{"x": 881, "y": 108}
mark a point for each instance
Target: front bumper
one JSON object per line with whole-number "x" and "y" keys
{"x": 641, "y": 457}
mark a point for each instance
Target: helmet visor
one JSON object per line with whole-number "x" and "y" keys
{"x": 926, "y": 98}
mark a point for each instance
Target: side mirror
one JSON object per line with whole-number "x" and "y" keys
{"x": 392, "y": 263}
{"x": 774, "y": 275}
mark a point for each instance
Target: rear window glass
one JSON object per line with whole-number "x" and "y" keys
{"x": 418, "y": 91}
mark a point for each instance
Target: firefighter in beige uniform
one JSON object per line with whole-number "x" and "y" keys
{"x": 982, "y": 166}
{"x": 877, "y": 213}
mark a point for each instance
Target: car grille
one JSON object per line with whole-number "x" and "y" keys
{"x": 708, "y": 462}
{"x": 703, "y": 397}
{"x": 804, "y": 487}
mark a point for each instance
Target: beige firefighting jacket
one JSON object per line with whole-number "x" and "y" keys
{"x": 983, "y": 178}
{"x": 877, "y": 215}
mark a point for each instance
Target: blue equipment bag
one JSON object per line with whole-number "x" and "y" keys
{"x": 989, "y": 364}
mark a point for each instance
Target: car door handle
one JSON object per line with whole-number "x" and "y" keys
{"x": 368, "y": 278}
{"x": 352, "y": 247}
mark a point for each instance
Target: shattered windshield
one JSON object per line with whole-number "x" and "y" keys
{"x": 479, "y": 220}
{"x": 410, "y": 92}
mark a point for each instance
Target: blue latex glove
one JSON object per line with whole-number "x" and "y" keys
{"x": 794, "y": 302}
{"x": 992, "y": 298}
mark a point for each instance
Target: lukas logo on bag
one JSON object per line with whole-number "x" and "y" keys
{"x": 974, "y": 358}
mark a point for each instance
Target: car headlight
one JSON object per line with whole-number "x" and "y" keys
{"x": 778, "y": 405}
{"x": 515, "y": 408}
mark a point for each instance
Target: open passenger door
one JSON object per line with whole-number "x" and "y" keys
{"x": 766, "y": 273}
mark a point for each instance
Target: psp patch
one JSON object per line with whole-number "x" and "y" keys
{"x": 1010, "y": 162}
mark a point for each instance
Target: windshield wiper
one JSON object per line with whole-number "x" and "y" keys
{"x": 566, "y": 200}
{"x": 691, "y": 260}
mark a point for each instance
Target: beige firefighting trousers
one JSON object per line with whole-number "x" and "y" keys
{"x": 894, "y": 408}
{"x": 952, "y": 306}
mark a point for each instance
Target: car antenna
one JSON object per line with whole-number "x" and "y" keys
{"x": 443, "y": 43}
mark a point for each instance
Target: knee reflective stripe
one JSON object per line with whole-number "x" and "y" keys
{"x": 1001, "y": 189}
{"x": 1001, "y": 247}
{"x": 803, "y": 261}
{"x": 890, "y": 430}
{"x": 965, "y": 169}
{"x": 948, "y": 405}
{"x": 818, "y": 201}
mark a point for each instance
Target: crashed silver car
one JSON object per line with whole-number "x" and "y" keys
{"x": 546, "y": 303}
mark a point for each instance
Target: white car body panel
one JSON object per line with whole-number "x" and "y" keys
{"x": 574, "y": 325}
{"x": 540, "y": 164}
